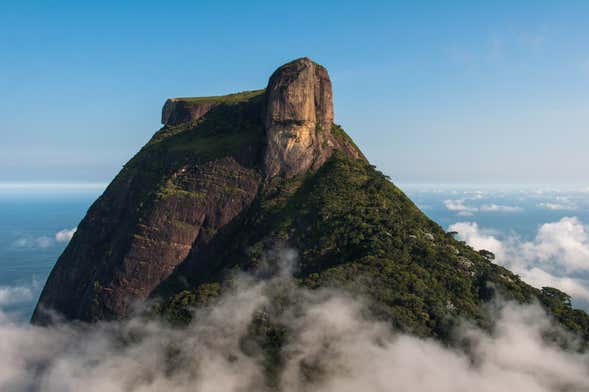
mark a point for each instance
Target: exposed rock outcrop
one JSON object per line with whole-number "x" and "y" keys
{"x": 299, "y": 118}
{"x": 186, "y": 184}
{"x": 189, "y": 182}
{"x": 206, "y": 199}
{"x": 178, "y": 110}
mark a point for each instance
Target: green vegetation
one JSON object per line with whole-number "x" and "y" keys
{"x": 343, "y": 137}
{"x": 170, "y": 188}
{"x": 225, "y": 131}
{"x": 356, "y": 231}
{"x": 228, "y": 99}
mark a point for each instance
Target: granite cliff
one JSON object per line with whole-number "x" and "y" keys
{"x": 228, "y": 180}
{"x": 196, "y": 175}
{"x": 298, "y": 119}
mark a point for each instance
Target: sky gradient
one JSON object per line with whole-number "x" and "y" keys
{"x": 467, "y": 92}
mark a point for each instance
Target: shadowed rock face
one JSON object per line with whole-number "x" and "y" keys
{"x": 177, "y": 111}
{"x": 189, "y": 182}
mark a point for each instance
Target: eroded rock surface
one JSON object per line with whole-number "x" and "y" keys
{"x": 177, "y": 110}
{"x": 299, "y": 118}
{"x": 189, "y": 182}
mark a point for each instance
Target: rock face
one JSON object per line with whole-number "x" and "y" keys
{"x": 189, "y": 182}
{"x": 112, "y": 263}
{"x": 178, "y": 110}
{"x": 298, "y": 119}
{"x": 204, "y": 199}
{"x": 169, "y": 200}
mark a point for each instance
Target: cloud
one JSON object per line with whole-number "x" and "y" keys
{"x": 478, "y": 238}
{"x": 44, "y": 242}
{"x": 65, "y": 235}
{"x": 22, "y": 242}
{"x": 557, "y": 206}
{"x": 458, "y": 205}
{"x": 561, "y": 244}
{"x": 499, "y": 208}
{"x": 575, "y": 287}
{"x": 558, "y": 256}
{"x": 10, "y": 295}
{"x": 331, "y": 345}
{"x": 41, "y": 242}
{"x": 463, "y": 209}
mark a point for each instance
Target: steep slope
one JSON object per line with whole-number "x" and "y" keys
{"x": 188, "y": 181}
{"x": 229, "y": 180}
{"x": 196, "y": 175}
{"x": 354, "y": 230}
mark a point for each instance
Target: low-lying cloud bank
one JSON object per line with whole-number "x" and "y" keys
{"x": 558, "y": 256}
{"x": 332, "y": 346}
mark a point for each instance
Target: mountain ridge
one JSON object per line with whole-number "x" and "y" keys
{"x": 228, "y": 179}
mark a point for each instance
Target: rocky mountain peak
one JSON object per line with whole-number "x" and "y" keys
{"x": 164, "y": 212}
{"x": 297, "y": 114}
{"x": 299, "y": 118}
{"x": 297, "y": 92}
{"x": 198, "y": 203}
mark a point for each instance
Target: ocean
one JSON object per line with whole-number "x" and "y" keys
{"x": 35, "y": 224}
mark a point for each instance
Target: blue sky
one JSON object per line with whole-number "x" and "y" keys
{"x": 436, "y": 92}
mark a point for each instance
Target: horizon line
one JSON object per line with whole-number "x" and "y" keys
{"x": 52, "y": 185}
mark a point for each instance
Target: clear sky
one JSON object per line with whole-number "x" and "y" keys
{"x": 432, "y": 91}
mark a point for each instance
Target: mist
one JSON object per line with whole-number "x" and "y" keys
{"x": 332, "y": 344}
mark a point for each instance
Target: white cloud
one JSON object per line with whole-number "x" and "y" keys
{"x": 23, "y": 242}
{"x": 331, "y": 346}
{"x": 558, "y": 256}
{"x": 13, "y": 295}
{"x": 557, "y": 206}
{"x": 477, "y": 238}
{"x": 65, "y": 235}
{"x": 41, "y": 242}
{"x": 460, "y": 206}
{"x": 575, "y": 287}
{"x": 499, "y": 208}
{"x": 563, "y": 243}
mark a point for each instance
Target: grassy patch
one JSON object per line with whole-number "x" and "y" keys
{"x": 228, "y": 99}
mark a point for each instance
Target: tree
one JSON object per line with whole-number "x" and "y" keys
{"x": 487, "y": 254}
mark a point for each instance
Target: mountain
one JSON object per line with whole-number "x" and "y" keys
{"x": 230, "y": 181}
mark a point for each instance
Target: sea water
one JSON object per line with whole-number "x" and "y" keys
{"x": 30, "y": 220}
